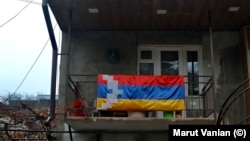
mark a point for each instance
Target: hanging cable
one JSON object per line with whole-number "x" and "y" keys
{"x": 33, "y": 2}
{"x": 33, "y": 64}
{"x": 16, "y": 14}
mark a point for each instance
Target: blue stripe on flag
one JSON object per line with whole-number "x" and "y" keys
{"x": 144, "y": 92}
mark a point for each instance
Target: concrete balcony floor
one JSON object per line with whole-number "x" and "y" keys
{"x": 127, "y": 124}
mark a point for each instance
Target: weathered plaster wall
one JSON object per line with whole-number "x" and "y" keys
{"x": 89, "y": 50}
{"x": 228, "y": 72}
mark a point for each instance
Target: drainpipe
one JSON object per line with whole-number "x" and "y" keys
{"x": 54, "y": 61}
{"x": 212, "y": 63}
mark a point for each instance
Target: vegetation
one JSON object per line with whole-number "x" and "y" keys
{"x": 24, "y": 118}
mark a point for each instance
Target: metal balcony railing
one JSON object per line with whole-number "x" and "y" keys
{"x": 198, "y": 90}
{"x": 201, "y": 103}
{"x": 233, "y": 110}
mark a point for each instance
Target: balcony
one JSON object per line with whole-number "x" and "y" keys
{"x": 199, "y": 108}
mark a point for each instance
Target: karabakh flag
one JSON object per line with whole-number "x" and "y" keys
{"x": 140, "y": 92}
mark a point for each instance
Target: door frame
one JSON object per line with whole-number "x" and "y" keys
{"x": 182, "y": 49}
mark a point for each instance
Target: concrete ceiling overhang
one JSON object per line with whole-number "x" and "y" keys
{"x": 142, "y": 14}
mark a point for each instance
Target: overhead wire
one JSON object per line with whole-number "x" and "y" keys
{"x": 37, "y": 58}
{"x": 33, "y": 2}
{"x": 33, "y": 64}
{"x": 29, "y": 2}
{"x": 16, "y": 14}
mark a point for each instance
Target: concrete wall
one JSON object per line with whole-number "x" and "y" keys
{"x": 117, "y": 136}
{"x": 87, "y": 56}
{"x": 228, "y": 70}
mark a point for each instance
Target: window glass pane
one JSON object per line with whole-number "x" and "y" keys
{"x": 146, "y": 68}
{"x": 169, "y": 63}
{"x": 146, "y": 54}
{"x": 193, "y": 72}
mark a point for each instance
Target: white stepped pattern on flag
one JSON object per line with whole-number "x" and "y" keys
{"x": 111, "y": 97}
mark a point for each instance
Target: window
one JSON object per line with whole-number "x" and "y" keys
{"x": 172, "y": 60}
{"x": 192, "y": 72}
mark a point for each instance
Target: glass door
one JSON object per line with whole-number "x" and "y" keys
{"x": 169, "y": 63}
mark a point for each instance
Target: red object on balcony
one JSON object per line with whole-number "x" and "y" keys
{"x": 78, "y": 108}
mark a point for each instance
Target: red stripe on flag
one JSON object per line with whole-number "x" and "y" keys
{"x": 153, "y": 80}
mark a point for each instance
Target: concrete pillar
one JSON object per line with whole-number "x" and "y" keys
{"x": 245, "y": 54}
